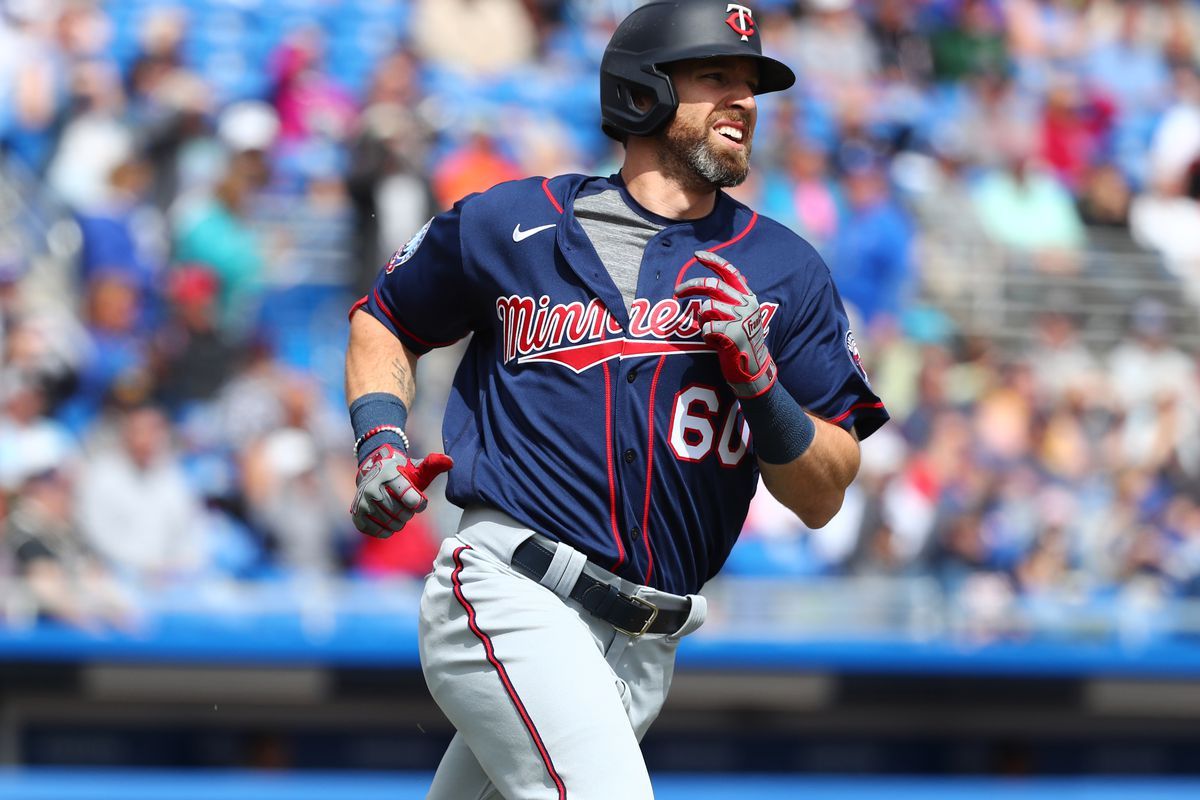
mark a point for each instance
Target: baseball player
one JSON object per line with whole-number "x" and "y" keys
{"x": 643, "y": 348}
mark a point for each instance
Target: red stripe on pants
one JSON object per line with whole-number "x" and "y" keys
{"x": 456, "y": 579}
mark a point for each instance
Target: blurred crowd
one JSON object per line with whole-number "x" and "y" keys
{"x": 193, "y": 192}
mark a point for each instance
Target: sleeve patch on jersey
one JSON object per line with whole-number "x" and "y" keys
{"x": 852, "y": 349}
{"x": 409, "y": 249}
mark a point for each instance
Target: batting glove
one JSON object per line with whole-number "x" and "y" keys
{"x": 391, "y": 488}
{"x": 732, "y": 322}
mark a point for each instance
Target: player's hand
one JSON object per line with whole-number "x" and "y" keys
{"x": 391, "y": 488}
{"x": 732, "y": 322}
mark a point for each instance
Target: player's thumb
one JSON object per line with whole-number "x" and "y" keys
{"x": 429, "y": 468}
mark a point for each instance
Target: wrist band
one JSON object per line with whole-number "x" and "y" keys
{"x": 782, "y": 430}
{"x": 378, "y": 414}
{"x": 381, "y": 429}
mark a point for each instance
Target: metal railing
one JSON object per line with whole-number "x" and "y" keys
{"x": 859, "y": 608}
{"x": 997, "y": 294}
{"x": 37, "y": 227}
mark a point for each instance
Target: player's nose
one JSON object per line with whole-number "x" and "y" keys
{"x": 741, "y": 100}
{"x": 743, "y": 97}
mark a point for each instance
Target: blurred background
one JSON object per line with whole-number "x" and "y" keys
{"x": 193, "y": 193}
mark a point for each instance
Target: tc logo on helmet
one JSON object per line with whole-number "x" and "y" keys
{"x": 741, "y": 20}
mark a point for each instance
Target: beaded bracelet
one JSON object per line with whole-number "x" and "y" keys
{"x": 381, "y": 429}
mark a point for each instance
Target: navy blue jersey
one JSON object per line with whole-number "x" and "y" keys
{"x": 607, "y": 428}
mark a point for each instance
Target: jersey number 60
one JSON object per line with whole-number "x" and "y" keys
{"x": 694, "y": 431}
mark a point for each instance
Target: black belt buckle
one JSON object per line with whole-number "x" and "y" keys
{"x": 653, "y": 616}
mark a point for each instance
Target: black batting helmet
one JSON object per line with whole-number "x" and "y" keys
{"x": 660, "y": 33}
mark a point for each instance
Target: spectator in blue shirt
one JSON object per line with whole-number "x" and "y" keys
{"x": 871, "y": 254}
{"x": 1132, "y": 73}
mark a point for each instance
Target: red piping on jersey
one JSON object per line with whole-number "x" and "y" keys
{"x": 612, "y": 481}
{"x": 650, "y": 471}
{"x": 357, "y": 306}
{"x": 852, "y": 409}
{"x": 456, "y": 579}
{"x": 650, "y": 415}
{"x": 405, "y": 330}
{"x": 608, "y": 440}
{"x": 554, "y": 200}
{"x": 721, "y": 246}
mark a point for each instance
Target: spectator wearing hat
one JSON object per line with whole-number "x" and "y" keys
{"x": 30, "y": 441}
{"x": 193, "y": 357}
{"x": 872, "y": 258}
{"x": 293, "y": 496}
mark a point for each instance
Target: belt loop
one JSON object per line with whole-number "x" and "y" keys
{"x": 564, "y": 569}
{"x": 616, "y": 648}
{"x": 695, "y": 618}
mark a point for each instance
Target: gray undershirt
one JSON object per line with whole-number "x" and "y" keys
{"x": 619, "y": 235}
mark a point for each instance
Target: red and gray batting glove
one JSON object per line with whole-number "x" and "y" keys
{"x": 732, "y": 322}
{"x": 391, "y": 488}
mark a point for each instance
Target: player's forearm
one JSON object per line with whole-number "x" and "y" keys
{"x": 814, "y": 484}
{"x": 376, "y": 361}
{"x": 379, "y": 385}
{"x": 379, "y": 388}
{"x": 806, "y": 463}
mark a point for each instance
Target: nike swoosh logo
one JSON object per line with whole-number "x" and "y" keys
{"x": 520, "y": 235}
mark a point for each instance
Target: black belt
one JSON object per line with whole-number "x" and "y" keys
{"x": 631, "y": 615}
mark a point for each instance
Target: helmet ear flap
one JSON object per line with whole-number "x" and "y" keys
{"x": 623, "y": 82}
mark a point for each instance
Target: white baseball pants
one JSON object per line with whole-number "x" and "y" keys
{"x": 549, "y": 702}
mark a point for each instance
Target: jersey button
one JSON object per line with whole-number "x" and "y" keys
{"x": 635, "y": 533}
{"x": 629, "y": 456}
{"x": 632, "y": 376}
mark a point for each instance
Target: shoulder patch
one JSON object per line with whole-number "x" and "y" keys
{"x": 410, "y": 248}
{"x": 852, "y": 349}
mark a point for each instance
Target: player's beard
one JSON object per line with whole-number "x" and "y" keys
{"x": 687, "y": 155}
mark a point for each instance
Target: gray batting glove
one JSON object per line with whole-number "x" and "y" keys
{"x": 731, "y": 320}
{"x": 391, "y": 488}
